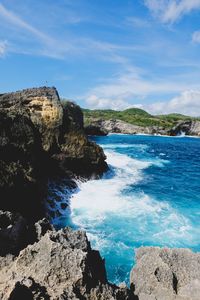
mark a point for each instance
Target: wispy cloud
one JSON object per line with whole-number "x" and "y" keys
{"x": 17, "y": 21}
{"x": 132, "y": 89}
{"x": 187, "y": 103}
{"x": 3, "y": 48}
{"x": 196, "y": 37}
{"x": 169, "y": 11}
{"x": 138, "y": 22}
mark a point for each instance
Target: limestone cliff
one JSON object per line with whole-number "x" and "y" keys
{"x": 118, "y": 126}
{"x": 41, "y": 138}
{"x": 187, "y": 128}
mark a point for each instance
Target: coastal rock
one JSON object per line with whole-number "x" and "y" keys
{"x": 61, "y": 265}
{"x": 21, "y": 154}
{"x": 187, "y": 128}
{"x": 95, "y": 130}
{"x": 78, "y": 154}
{"x": 44, "y": 108}
{"x": 170, "y": 274}
{"x": 118, "y": 126}
{"x": 41, "y": 138}
{"x": 13, "y": 232}
{"x": 60, "y": 127}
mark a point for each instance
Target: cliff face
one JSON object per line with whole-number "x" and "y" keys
{"x": 118, "y": 126}
{"x": 40, "y": 138}
{"x": 187, "y": 128}
{"x": 43, "y": 107}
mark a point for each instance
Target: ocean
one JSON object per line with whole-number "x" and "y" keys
{"x": 149, "y": 197}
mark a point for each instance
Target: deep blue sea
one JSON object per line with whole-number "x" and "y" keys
{"x": 150, "y": 197}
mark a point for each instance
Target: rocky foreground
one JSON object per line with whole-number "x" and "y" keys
{"x": 41, "y": 140}
{"x": 103, "y": 127}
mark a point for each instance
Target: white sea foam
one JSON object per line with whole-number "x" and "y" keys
{"x": 98, "y": 200}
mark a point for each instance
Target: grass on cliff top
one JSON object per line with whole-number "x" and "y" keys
{"x": 135, "y": 116}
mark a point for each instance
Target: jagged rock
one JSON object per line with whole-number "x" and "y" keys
{"x": 187, "y": 128}
{"x": 95, "y": 130}
{"x": 170, "y": 274}
{"x": 61, "y": 265}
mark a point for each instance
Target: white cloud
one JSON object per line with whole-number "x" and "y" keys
{"x": 3, "y": 48}
{"x": 187, "y": 103}
{"x": 131, "y": 86}
{"x": 95, "y": 102}
{"x": 169, "y": 11}
{"x": 196, "y": 37}
{"x": 132, "y": 90}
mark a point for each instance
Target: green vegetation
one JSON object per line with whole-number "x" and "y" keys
{"x": 135, "y": 116}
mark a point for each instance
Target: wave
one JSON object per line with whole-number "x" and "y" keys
{"x": 105, "y": 201}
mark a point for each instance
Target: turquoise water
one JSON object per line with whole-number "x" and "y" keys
{"x": 150, "y": 196}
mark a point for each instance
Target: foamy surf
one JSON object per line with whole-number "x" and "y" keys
{"x": 116, "y": 221}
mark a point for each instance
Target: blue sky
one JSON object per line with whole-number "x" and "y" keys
{"x": 105, "y": 53}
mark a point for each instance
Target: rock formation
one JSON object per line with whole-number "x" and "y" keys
{"x": 187, "y": 128}
{"x": 166, "y": 274}
{"x": 118, "y": 126}
{"x": 39, "y": 138}
{"x": 61, "y": 265}
{"x": 95, "y": 130}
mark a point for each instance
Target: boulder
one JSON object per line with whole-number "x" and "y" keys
{"x": 162, "y": 273}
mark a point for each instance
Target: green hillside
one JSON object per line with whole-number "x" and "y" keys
{"x": 135, "y": 116}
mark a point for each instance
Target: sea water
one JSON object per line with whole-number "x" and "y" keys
{"x": 149, "y": 197}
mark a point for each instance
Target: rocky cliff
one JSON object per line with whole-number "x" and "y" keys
{"x": 41, "y": 138}
{"x": 103, "y": 127}
{"x": 98, "y": 126}
{"x": 187, "y": 127}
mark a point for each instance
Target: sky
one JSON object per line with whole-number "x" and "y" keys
{"x": 105, "y": 54}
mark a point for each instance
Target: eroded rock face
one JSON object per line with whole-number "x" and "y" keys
{"x": 21, "y": 154}
{"x": 187, "y": 128}
{"x": 118, "y": 126}
{"x": 170, "y": 274}
{"x": 44, "y": 108}
{"x": 78, "y": 153}
{"x": 61, "y": 265}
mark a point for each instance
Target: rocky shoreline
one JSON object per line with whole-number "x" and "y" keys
{"x": 42, "y": 140}
{"x": 103, "y": 127}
